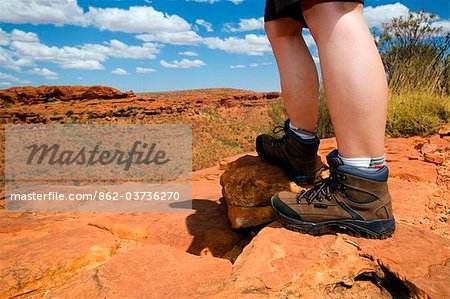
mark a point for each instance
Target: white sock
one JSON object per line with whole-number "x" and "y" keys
{"x": 303, "y": 134}
{"x": 368, "y": 163}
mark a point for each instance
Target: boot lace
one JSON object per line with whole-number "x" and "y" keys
{"x": 275, "y": 142}
{"x": 322, "y": 189}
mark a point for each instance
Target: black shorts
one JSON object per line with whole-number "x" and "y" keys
{"x": 293, "y": 10}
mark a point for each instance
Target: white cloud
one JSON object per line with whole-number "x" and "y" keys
{"x": 8, "y": 77}
{"x": 188, "y": 53}
{"x": 207, "y": 25}
{"x": 174, "y": 38}
{"x": 7, "y": 84}
{"x": 58, "y": 12}
{"x": 65, "y": 57}
{"x": 251, "y": 45}
{"x": 237, "y": 66}
{"x": 12, "y": 78}
{"x": 245, "y": 25}
{"x": 82, "y": 65}
{"x": 117, "y": 49}
{"x": 21, "y": 36}
{"x": 8, "y": 61}
{"x": 25, "y": 49}
{"x": 43, "y": 72}
{"x": 144, "y": 70}
{"x": 379, "y": 15}
{"x": 119, "y": 71}
{"x": 182, "y": 64}
{"x": 383, "y": 14}
{"x": 443, "y": 24}
{"x": 259, "y": 64}
{"x": 136, "y": 19}
{"x": 4, "y": 38}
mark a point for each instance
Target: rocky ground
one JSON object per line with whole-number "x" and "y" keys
{"x": 224, "y": 121}
{"x": 227, "y": 245}
{"x": 195, "y": 253}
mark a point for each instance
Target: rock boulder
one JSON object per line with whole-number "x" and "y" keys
{"x": 247, "y": 187}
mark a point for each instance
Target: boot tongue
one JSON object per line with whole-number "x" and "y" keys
{"x": 333, "y": 160}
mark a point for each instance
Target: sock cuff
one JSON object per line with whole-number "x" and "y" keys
{"x": 365, "y": 162}
{"x": 303, "y": 131}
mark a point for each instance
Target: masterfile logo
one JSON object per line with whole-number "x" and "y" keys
{"x": 140, "y": 153}
{"x": 113, "y": 168}
{"x": 99, "y": 151}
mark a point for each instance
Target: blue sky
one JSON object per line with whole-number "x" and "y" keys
{"x": 154, "y": 45}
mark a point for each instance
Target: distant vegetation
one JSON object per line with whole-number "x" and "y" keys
{"x": 225, "y": 122}
{"x": 417, "y": 61}
{"x": 415, "y": 54}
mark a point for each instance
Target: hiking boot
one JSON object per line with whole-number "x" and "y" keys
{"x": 349, "y": 200}
{"x": 297, "y": 157}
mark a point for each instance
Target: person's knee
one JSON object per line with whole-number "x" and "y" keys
{"x": 281, "y": 28}
{"x": 320, "y": 15}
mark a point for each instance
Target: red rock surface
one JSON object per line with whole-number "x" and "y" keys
{"x": 187, "y": 253}
{"x": 249, "y": 181}
{"x": 248, "y": 184}
{"x": 221, "y": 118}
{"x": 49, "y": 253}
{"x": 155, "y": 271}
{"x": 242, "y": 217}
{"x": 281, "y": 263}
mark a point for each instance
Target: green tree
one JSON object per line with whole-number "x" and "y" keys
{"x": 415, "y": 53}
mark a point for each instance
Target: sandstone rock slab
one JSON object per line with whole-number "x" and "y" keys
{"x": 250, "y": 181}
{"x": 281, "y": 263}
{"x": 242, "y": 217}
{"x": 33, "y": 263}
{"x": 414, "y": 170}
{"x": 153, "y": 271}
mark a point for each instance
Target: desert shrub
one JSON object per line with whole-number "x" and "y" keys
{"x": 413, "y": 113}
{"x": 324, "y": 125}
{"x": 415, "y": 53}
{"x": 416, "y": 113}
{"x": 277, "y": 112}
{"x": 69, "y": 113}
{"x": 7, "y": 104}
{"x": 91, "y": 115}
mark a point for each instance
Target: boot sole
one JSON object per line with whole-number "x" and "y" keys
{"x": 377, "y": 229}
{"x": 298, "y": 178}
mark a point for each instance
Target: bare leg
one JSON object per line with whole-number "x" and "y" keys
{"x": 353, "y": 76}
{"x": 298, "y": 74}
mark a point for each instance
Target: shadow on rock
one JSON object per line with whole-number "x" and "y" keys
{"x": 210, "y": 227}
